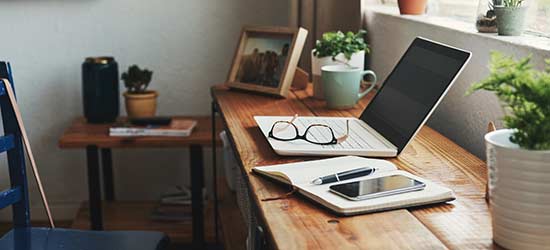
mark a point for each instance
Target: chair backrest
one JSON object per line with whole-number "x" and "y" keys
{"x": 17, "y": 195}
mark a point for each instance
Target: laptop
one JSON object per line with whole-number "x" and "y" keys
{"x": 407, "y": 98}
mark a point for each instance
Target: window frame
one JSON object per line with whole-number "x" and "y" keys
{"x": 473, "y": 4}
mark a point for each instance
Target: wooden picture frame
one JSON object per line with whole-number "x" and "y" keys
{"x": 258, "y": 61}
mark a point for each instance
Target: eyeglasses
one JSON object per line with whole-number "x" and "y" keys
{"x": 320, "y": 134}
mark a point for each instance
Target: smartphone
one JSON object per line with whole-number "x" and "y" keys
{"x": 377, "y": 187}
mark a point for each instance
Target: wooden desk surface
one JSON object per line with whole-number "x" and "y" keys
{"x": 81, "y": 134}
{"x": 297, "y": 223}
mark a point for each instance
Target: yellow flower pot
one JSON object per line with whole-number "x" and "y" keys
{"x": 141, "y": 104}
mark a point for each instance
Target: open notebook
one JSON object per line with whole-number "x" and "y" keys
{"x": 300, "y": 175}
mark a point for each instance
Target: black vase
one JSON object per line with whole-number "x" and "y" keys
{"x": 100, "y": 90}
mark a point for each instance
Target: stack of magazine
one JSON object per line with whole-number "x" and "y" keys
{"x": 175, "y": 206}
{"x": 177, "y": 127}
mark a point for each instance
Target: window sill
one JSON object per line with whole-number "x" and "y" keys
{"x": 526, "y": 40}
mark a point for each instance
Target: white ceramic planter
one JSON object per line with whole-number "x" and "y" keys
{"x": 357, "y": 60}
{"x": 519, "y": 189}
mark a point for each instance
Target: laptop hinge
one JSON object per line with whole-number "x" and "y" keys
{"x": 378, "y": 135}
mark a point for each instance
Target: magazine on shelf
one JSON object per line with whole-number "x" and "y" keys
{"x": 177, "y": 127}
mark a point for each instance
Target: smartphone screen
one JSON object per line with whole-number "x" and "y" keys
{"x": 377, "y": 187}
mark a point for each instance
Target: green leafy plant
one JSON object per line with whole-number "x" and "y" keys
{"x": 136, "y": 80}
{"x": 512, "y": 3}
{"x": 334, "y": 43}
{"x": 491, "y": 10}
{"x": 525, "y": 93}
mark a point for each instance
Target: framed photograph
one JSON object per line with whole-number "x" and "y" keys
{"x": 266, "y": 59}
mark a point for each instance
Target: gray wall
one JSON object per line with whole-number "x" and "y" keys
{"x": 463, "y": 119}
{"x": 188, "y": 44}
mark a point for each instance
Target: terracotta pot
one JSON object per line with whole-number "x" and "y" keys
{"x": 142, "y": 104}
{"x": 412, "y": 7}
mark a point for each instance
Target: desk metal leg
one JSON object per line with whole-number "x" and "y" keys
{"x": 197, "y": 184}
{"x": 108, "y": 177}
{"x": 94, "y": 188}
{"x": 215, "y": 171}
{"x": 259, "y": 238}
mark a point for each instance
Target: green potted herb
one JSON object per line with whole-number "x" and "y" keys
{"x": 337, "y": 48}
{"x": 518, "y": 158}
{"x": 510, "y": 16}
{"x": 139, "y": 101}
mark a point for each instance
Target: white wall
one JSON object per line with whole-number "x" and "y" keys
{"x": 463, "y": 119}
{"x": 187, "y": 43}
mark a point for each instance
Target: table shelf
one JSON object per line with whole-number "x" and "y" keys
{"x": 136, "y": 215}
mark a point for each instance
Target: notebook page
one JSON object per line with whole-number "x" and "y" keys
{"x": 305, "y": 172}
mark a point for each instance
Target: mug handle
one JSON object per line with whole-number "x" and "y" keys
{"x": 367, "y": 72}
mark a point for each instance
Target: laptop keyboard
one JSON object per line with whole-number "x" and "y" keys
{"x": 359, "y": 136}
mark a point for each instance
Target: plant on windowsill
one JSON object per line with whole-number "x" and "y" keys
{"x": 412, "y": 7}
{"x": 518, "y": 158}
{"x": 511, "y": 16}
{"x": 139, "y": 101}
{"x": 336, "y": 48}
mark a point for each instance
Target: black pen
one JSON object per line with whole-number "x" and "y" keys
{"x": 342, "y": 176}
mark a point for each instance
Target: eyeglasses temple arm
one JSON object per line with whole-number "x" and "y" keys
{"x": 288, "y": 124}
{"x": 344, "y": 137}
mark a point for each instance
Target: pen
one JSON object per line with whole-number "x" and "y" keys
{"x": 342, "y": 176}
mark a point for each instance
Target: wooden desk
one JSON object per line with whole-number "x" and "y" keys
{"x": 297, "y": 223}
{"x": 93, "y": 137}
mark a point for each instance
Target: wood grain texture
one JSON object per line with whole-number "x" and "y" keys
{"x": 233, "y": 229}
{"x": 297, "y": 223}
{"x": 81, "y": 134}
{"x": 462, "y": 224}
{"x": 301, "y": 79}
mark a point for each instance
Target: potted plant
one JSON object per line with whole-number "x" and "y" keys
{"x": 518, "y": 158}
{"x": 139, "y": 101}
{"x": 412, "y": 7}
{"x": 511, "y": 17}
{"x": 337, "y": 48}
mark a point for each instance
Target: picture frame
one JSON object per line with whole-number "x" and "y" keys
{"x": 266, "y": 59}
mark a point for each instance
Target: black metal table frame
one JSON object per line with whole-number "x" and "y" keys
{"x": 94, "y": 188}
{"x": 258, "y": 234}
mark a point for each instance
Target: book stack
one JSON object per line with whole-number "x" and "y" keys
{"x": 175, "y": 206}
{"x": 177, "y": 127}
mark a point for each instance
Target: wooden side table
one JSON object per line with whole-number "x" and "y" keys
{"x": 95, "y": 139}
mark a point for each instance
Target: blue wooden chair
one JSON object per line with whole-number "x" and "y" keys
{"x": 25, "y": 237}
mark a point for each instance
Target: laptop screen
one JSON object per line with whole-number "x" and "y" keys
{"x": 413, "y": 89}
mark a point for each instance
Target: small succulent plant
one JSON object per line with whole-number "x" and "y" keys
{"x": 137, "y": 80}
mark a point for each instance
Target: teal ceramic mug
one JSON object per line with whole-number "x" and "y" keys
{"x": 342, "y": 83}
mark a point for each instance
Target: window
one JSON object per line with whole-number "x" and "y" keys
{"x": 538, "y": 20}
{"x": 541, "y": 24}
